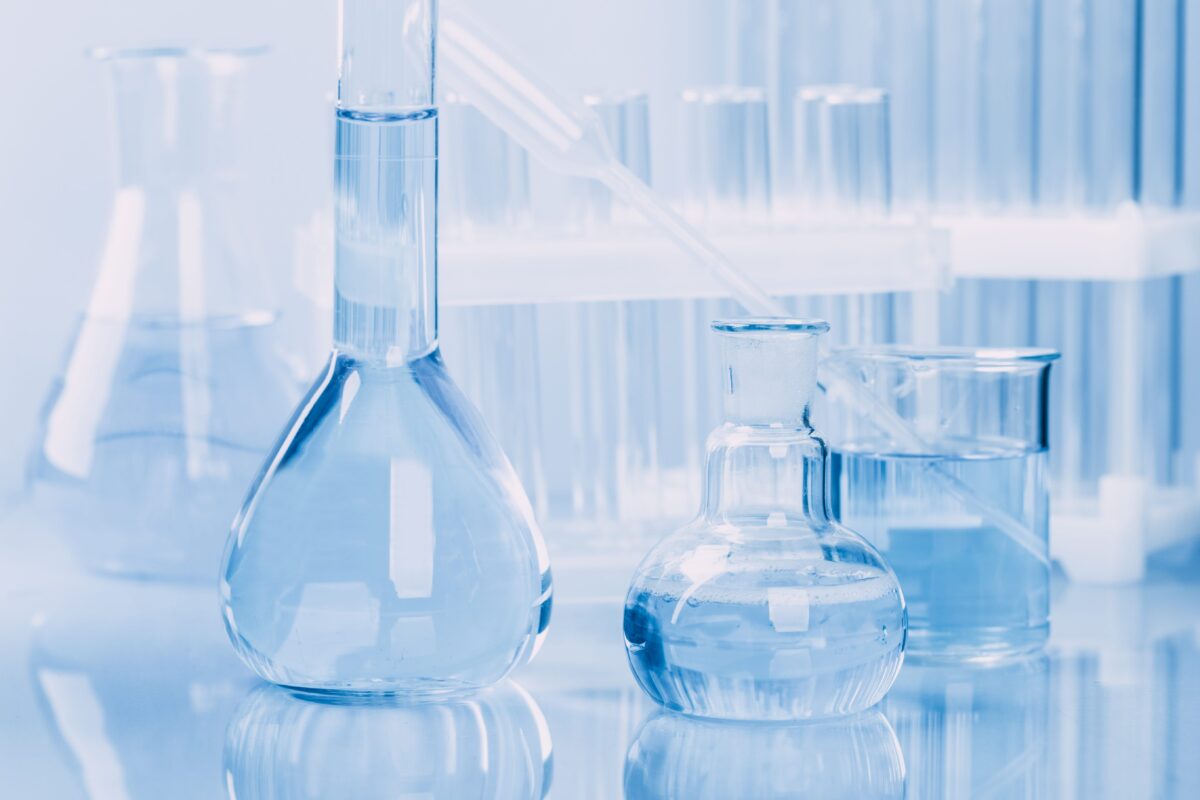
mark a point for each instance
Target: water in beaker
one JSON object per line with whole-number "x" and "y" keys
{"x": 962, "y": 513}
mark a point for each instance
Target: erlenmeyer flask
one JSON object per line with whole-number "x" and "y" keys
{"x": 174, "y": 387}
{"x": 387, "y": 547}
{"x": 763, "y": 607}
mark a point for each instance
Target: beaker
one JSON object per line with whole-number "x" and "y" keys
{"x": 763, "y": 607}
{"x": 387, "y": 548}
{"x": 960, "y": 508}
{"x": 175, "y": 385}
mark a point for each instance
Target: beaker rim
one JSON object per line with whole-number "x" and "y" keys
{"x": 967, "y": 356}
{"x": 114, "y": 52}
{"x": 770, "y": 325}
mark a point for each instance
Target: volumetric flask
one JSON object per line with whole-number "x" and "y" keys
{"x": 959, "y": 506}
{"x": 387, "y": 547}
{"x": 763, "y": 607}
{"x": 174, "y": 386}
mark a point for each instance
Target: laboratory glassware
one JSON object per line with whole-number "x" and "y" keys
{"x": 843, "y": 150}
{"x": 763, "y": 607}
{"x": 727, "y": 154}
{"x": 485, "y": 187}
{"x": 387, "y": 548}
{"x": 1123, "y": 474}
{"x": 674, "y": 756}
{"x": 976, "y": 575}
{"x": 1087, "y": 104}
{"x": 176, "y": 378}
{"x": 569, "y": 137}
{"x": 625, "y": 116}
{"x": 495, "y": 743}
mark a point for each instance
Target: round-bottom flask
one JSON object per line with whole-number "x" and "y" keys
{"x": 763, "y": 607}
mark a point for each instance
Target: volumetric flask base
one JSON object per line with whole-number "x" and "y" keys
{"x": 387, "y": 550}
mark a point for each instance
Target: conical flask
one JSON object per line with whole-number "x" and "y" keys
{"x": 764, "y": 608}
{"x": 174, "y": 383}
{"x": 387, "y": 547}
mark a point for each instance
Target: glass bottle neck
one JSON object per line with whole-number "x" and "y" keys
{"x": 385, "y": 278}
{"x": 765, "y": 476}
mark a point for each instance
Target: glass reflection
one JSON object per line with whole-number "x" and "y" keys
{"x": 1125, "y": 682}
{"x": 491, "y": 745}
{"x": 682, "y": 757}
{"x": 136, "y": 683}
{"x": 971, "y": 730}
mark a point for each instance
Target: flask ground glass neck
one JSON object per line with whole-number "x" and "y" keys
{"x": 763, "y": 608}
{"x": 764, "y": 465}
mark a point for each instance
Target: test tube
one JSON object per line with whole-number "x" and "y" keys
{"x": 626, "y": 120}
{"x": 955, "y": 119}
{"x": 727, "y": 152}
{"x": 810, "y": 149}
{"x": 1004, "y": 162}
{"x": 803, "y": 52}
{"x": 484, "y": 177}
{"x": 907, "y": 72}
{"x": 1159, "y": 112}
{"x": 983, "y": 115}
{"x": 1087, "y": 109}
{"x": 844, "y": 150}
{"x": 1190, "y": 122}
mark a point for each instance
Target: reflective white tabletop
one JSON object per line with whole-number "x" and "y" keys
{"x": 114, "y": 689}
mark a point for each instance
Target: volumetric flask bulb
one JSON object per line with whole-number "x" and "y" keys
{"x": 763, "y": 608}
{"x": 174, "y": 387}
{"x": 387, "y": 547}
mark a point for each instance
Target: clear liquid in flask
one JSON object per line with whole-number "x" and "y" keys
{"x": 764, "y": 608}
{"x": 387, "y": 549}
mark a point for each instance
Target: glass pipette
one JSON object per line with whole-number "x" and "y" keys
{"x": 569, "y": 138}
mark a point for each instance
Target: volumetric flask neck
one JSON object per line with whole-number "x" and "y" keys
{"x": 385, "y": 183}
{"x": 385, "y": 284}
{"x": 766, "y": 449}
